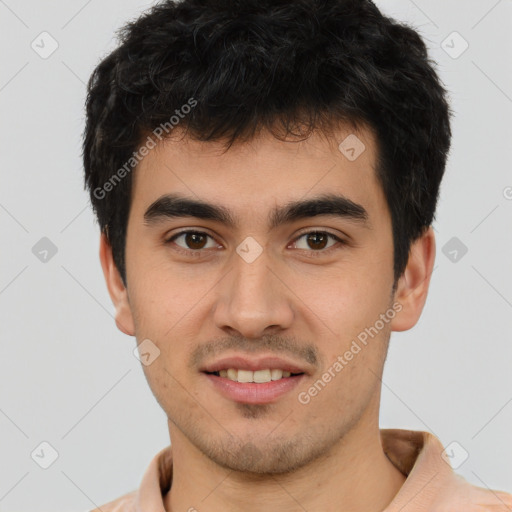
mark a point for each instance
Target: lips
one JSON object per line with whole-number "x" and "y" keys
{"x": 243, "y": 363}
{"x": 253, "y": 392}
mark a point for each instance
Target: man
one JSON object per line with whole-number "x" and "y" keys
{"x": 265, "y": 175}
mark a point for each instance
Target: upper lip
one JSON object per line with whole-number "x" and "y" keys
{"x": 262, "y": 363}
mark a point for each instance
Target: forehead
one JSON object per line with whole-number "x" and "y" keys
{"x": 251, "y": 178}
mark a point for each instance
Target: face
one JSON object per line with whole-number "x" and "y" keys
{"x": 301, "y": 285}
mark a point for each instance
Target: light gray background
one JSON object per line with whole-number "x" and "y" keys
{"x": 69, "y": 377}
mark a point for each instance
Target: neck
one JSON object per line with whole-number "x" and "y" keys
{"x": 355, "y": 475}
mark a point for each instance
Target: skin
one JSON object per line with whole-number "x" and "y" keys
{"x": 285, "y": 456}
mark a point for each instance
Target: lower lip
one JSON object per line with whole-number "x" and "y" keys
{"x": 252, "y": 392}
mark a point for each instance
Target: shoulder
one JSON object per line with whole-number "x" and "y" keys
{"x": 125, "y": 503}
{"x": 469, "y": 497}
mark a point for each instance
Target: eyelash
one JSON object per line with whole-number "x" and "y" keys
{"x": 312, "y": 253}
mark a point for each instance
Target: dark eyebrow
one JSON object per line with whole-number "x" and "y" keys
{"x": 174, "y": 205}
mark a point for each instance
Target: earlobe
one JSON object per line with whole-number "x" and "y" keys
{"x": 413, "y": 285}
{"x": 116, "y": 288}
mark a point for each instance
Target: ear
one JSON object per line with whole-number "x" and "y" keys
{"x": 116, "y": 288}
{"x": 412, "y": 286}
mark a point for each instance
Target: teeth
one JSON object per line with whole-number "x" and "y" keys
{"x": 277, "y": 374}
{"x": 259, "y": 376}
{"x": 245, "y": 376}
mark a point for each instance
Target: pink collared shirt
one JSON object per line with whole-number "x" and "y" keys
{"x": 431, "y": 484}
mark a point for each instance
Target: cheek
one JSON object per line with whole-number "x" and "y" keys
{"x": 352, "y": 317}
{"x": 160, "y": 297}
{"x": 170, "y": 387}
{"x": 343, "y": 301}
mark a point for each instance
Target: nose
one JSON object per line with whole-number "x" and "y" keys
{"x": 253, "y": 299}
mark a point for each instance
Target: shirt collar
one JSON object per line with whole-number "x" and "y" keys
{"x": 417, "y": 454}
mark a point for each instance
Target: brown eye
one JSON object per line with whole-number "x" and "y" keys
{"x": 317, "y": 241}
{"x": 191, "y": 240}
{"x": 195, "y": 240}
